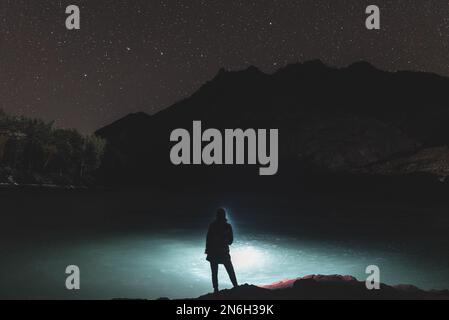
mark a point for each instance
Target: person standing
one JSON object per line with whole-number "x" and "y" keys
{"x": 219, "y": 238}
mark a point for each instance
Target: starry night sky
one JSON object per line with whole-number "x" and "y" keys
{"x": 144, "y": 55}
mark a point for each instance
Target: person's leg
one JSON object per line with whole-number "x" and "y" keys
{"x": 230, "y": 269}
{"x": 214, "y": 269}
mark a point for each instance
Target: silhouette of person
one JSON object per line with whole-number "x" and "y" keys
{"x": 219, "y": 237}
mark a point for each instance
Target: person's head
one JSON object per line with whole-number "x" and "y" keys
{"x": 221, "y": 215}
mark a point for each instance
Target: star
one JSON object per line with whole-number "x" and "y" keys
{"x": 160, "y": 52}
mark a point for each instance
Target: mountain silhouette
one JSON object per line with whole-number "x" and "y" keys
{"x": 344, "y": 120}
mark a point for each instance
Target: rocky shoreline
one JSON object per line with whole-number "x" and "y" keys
{"x": 322, "y": 287}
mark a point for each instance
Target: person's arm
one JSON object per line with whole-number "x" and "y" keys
{"x": 230, "y": 235}
{"x": 207, "y": 241}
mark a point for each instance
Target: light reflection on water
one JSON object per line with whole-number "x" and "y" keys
{"x": 173, "y": 265}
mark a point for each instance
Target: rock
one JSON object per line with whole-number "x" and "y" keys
{"x": 335, "y": 287}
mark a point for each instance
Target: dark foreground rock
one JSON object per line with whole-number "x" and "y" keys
{"x": 319, "y": 287}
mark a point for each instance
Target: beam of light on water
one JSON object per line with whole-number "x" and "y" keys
{"x": 248, "y": 257}
{"x": 173, "y": 264}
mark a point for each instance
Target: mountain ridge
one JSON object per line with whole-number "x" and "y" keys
{"x": 359, "y": 65}
{"x": 330, "y": 119}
